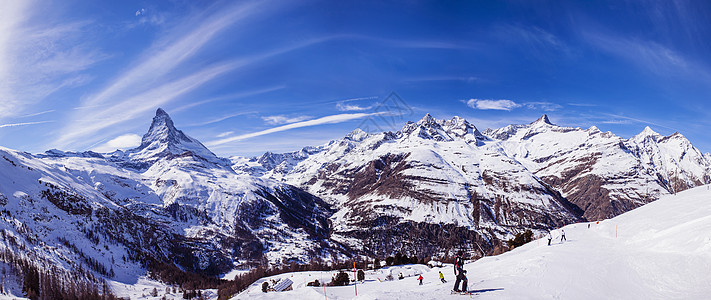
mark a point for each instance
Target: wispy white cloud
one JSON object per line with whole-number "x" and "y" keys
{"x": 320, "y": 121}
{"x": 233, "y": 96}
{"x": 37, "y": 114}
{"x": 23, "y": 124}
{"x": 122, "y": 142}
{"x": 226, "y": 133}
{"x": 149, "y": 16}
{"x": 582, "y": 104}
{"x": 169, "y": 53}
{"x": 537, "y": 41}
{"x": 648, "y": 55}
{"x": 546, "y": 106}
{"x": 488, "y": 104}
{"x": 352, "y": 107}
{"x": 37, "y": 59}
{"x": 346, "y": 105}
{"x": 137, "y": 104}
{"x": 156, "y": 78}
{"x": 134, "y": 103}
{"x": 281, "y": 119}
{"x": 621, "y": 118}
{"x": 217, "y": 120}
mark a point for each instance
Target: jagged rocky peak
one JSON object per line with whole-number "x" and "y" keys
{"x": 542, "y": 120}
{"x": 163, "y": 140}
{"x": 460, "y": 127}
{"x": 163, "y": 130}
{"x": 427, "y": 120}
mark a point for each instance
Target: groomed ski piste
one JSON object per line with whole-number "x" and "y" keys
{"x": 661, "y": 250}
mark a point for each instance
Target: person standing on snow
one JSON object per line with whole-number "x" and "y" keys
{"x": 441, "y": 277}
{"x": 562, "y": 236}
{"x": 459, "y": 271}
{"x": 420, "y": 279}
{"x": 549, "y": 238}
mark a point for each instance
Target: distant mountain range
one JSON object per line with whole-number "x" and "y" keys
{"x": 438, "y": 173}
{"x": 430, "y": 188}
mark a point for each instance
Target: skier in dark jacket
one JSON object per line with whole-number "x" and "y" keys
{"x": 459, "y": 272}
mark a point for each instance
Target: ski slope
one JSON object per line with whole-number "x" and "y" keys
{"x": 661, "y": 250}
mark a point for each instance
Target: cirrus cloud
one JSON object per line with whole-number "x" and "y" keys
{"x": 281, "y": 119}
{"x": 122, "y": 142}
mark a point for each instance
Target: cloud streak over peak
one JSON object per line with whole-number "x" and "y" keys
{"x": 320, "y": 121}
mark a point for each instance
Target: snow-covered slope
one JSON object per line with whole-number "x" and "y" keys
{"x": 659, "y": 251}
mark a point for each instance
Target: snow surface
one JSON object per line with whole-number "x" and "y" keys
{"x": 659, "y": 251}
{"x": 144, "y": 286}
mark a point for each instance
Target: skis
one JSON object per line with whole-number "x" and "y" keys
{"x": 453, "y": 292}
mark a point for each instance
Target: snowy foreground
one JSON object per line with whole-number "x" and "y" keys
{"x": 659, "y": 251}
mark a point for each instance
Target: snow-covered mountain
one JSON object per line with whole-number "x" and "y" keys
{"x": 602, "y": 173}
{"x": 432, "y": 186}
{"x": 391, "y": 186}
{"x": 168, "y": 201}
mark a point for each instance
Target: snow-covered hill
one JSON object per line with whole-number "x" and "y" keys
{"x": 659, "y": 251}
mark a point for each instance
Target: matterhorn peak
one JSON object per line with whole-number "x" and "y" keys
{"x": 163, "y": 130}
{"x": 163, "y": 140}
{"x": 542, "y": 120}
{"x": 161, "y": 112}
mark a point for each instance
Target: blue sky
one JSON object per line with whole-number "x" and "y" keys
{"x": 248, "y": 77}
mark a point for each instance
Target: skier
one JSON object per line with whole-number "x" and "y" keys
{"x": 441, "y": 277}
{"x": 562, "y": 236}
{"x": 549, "y": 238}
{"x": 400, "y": 277}
{"x": 459, "y": 271}
{"x": 420, "y": 279}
